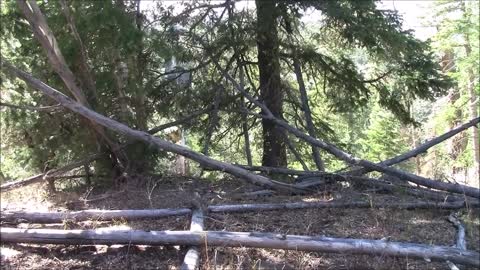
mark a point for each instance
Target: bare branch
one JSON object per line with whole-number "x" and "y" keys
{"x": 33, "y": 108}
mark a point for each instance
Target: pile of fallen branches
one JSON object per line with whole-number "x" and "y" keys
{"x": 242, "y": 172}
{"x": 198, "y": 238}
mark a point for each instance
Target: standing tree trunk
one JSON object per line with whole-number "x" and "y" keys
{"x": 474, "y": 101}
{"x": 246, "y": 137}
{"x": 274, "y": 149}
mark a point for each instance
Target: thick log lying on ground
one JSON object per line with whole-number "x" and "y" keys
{"x": 59, "y": 217}
{"x": 147, "y": 138}
{"x": 192, "y": 258}
{"x": 50, "y": 174}
{"x": 241, "y": 239}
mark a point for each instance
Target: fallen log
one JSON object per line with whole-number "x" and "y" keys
{"x": 146, "y": 137}
{"x": 192, "y": 258}
{"x": 59, "y": 217}
{"x": 241, "y": 239}
{"x": 48, "y": 175}
{"x": 91, "y": 214}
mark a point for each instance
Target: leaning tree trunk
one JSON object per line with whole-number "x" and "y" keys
{"x": 46, "y": 38}
{"x": 147, "y": 138}
{"x": 274, "y": 149}
{"x": 342, "y": 155}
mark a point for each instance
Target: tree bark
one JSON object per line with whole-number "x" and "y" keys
{"x": 241, "y": 239}
{"x": 147, "y": 138}
{"x": 274, "y": 150}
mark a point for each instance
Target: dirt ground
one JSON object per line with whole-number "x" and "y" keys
{"x": 417, "y": 226}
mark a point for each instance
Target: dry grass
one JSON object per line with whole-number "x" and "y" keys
{"x": 420, "y": 226}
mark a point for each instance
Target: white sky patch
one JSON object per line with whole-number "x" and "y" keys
{"x": 414, "y": 13}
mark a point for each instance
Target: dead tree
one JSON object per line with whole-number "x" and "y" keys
{"x": 59, "y": 217}
{"x": 241, "y": 239}
{"x": 461, "y": 243}
{"x": 294, "y": 151}
{"x": 342, "y": 155}
{"x": 307, "y": 112}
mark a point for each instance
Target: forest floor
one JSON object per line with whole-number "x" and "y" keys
{"x": 417, "y": 226}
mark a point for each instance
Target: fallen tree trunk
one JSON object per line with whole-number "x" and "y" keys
{"x": 50, "y": 174}
{"x": 147, "y": 138}
{"x": 406, "y": 176}
{"x": 241, "y": 239}
{"x": 59, "y": 217}
{"x": 101, "y": 215}
{"x": 192, "y": 258}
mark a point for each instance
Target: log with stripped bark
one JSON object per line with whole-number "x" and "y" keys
{"x": 242, "y": 239}
{"x": 59, "y": 217}
{"x": 192, "y": 258}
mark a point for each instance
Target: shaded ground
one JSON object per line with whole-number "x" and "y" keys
{"x": 419, "y": 226}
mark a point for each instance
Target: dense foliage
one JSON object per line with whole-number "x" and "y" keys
{"x": 155, "y": 64}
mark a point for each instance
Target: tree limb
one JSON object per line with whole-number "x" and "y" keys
{"x": 421, "y": 148}
{"x": 342, "y": 155}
